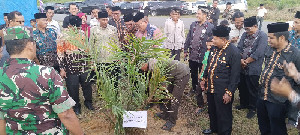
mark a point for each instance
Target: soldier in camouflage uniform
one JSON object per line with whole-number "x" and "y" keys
{"x": 33, "y": 99}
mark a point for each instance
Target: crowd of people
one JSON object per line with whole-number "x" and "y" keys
{"x": 235, "y": 55}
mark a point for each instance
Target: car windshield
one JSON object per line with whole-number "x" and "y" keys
{"x": 200, "y": 2}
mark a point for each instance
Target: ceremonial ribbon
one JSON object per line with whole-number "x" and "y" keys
{"x": 41, "y": 6}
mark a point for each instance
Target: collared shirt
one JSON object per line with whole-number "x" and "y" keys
{"x": 151, "y": 32}
{"x": 234, "y": 32}
{"x": 274, "y": 68}
{"x": 195, "y": 42}
{"x": 294, "y": 39}
{"x": 31, "y": 96}
{"x": 248, "y": 44}
{"x": 253, "y": 46}
{"x": 214, "y": 14}
{"x": 228, "y": 14}
{"x": 100, "y": 42}
{"x": 94, "y": 22}
{"x": 261, "y": 12}
{"x": 70, "y": 56}
{"x": 223, "y": 70}
{"x": 120, "y": 25}
{"x": 175, "y": 34}
{"x": 46, "y": 47}
{"x": 55, "y": 26}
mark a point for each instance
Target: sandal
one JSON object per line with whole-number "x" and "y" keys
{"x": 168, "y": 126}
{"x": 160, "y": 115}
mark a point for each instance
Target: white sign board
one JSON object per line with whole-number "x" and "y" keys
{"x": 136, "y": 119}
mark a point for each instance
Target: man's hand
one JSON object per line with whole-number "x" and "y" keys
{"x": 282, "y": 88}
{"x": 234, "y": 39}
{"x": 226, "y": 98}
{"x": 290, "y": 70}
{"x": 202, "y": 85}
{"x": 210, "y": 20}
{"x": 249, "y": 60}
{"x": 243, "y": 63}
{"x": 63, "y": 73}
{"x": 186, "y": 55}
{"x": 144, "y": 67}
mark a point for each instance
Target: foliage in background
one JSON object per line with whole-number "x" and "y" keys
{"x": 274, "y": 4}
{"x": 131, "y": 89}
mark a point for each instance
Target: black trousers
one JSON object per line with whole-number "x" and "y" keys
{"x": 73, "y": 81}
{"x": 220, "y": 114}
{"x": 248, "y": 88}
{"x": 177, "y": 53}
{"x": 195, "y": 69}
{"x": 170, "y": 107}
{"x": 271, "y": 118}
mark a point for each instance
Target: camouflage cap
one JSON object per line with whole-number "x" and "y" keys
{"x": 18, "y": 32}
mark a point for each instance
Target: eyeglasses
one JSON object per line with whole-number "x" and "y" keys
{"x": 20, "y": 22}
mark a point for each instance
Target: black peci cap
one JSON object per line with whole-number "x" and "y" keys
{"x": 277, "y": 27}
{"x": 49, "y": 7}
{"x": 138, "y": 16}
{"x": 115, "y": 8}
{"x": 40, "y": 15}
{"x": 297, "y": 15}
{"x": 102, "y": 14}
{"x": 221, "y": 31}
{"x": 128, "y": 17}
{"x": 249, "y": 22}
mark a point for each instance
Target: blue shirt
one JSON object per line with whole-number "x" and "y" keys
{"x": 46, "y": 47}
{"x": 294, "y": 39}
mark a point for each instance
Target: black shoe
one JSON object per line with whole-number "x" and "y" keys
{"x": 239, "y": 107}
{"x": 207, "y": 131}
{"x": 89, "y": 105}
{"x": 250, "y": 114}
{"x": 77, "y": 110}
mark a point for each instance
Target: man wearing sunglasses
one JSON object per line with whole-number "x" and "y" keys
{"x": 14, "y": 18}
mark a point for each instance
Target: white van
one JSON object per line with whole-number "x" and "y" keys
{"x": 191, "y": 6}
{"x": 236, "y": 5}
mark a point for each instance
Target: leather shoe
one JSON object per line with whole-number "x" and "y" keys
{"x": 77, "y": 110}
{"x": 207, "y": 131}
{"x": 250, "y": 114}
{"x": 89, "y": 105}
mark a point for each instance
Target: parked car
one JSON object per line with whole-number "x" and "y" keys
{"x": 59, "y": 8}
{"x": 148, "y": 6}
{"x": 192, "y": 8}
{"x": 88, "y": 5}
{"x": 131, "y": 7}
{"x": 240, "y": 5}
{"x": 164, "y": 8}
{"x": 201, "y": 3}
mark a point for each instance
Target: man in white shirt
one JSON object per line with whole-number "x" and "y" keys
{"x": 237, "y": 28}
{"x": 94, "y": 17}
{"x": 261, "y": 12}
{"x": 52, "y": 23}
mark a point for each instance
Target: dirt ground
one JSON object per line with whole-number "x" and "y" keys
{"x": 95, "y": 122}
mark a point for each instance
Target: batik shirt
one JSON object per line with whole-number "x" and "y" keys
{"x": 46, "y": 47}
{"x": 31, "y": 97}
{"x": 120, "y": 27}
{"x": 70, "y": 56}
{"x": 151, "y": 32}
{"x": 294, "y": 39}
{"x": 100, "y": 42}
